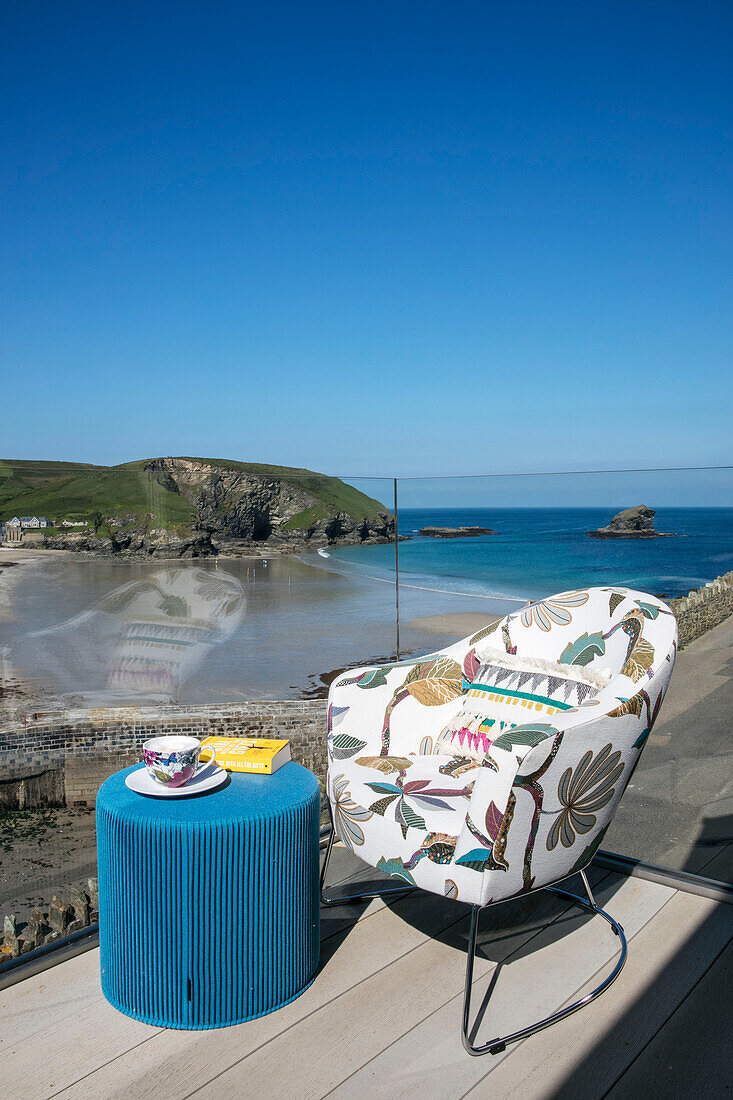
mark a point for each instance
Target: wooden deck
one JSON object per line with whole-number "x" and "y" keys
{"x": 382, "y": 1017}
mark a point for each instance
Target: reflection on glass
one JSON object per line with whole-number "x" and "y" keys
{"x": 144, "y": 639}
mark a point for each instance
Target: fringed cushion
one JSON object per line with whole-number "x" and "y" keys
{"x": 509, "y": 691}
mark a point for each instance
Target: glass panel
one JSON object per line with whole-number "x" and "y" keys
{"x": 246, "y": 597}
{"x": 678, "y": 808}
{"x": 171, "y": 597}
{"x": 167, "y": 598}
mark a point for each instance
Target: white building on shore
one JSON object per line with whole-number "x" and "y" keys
{"x": 28, "y": 522}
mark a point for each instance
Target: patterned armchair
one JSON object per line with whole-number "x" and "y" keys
{"x": 494, "y": 767}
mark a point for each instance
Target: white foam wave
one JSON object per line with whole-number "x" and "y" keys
{"x": 349, "y": 570}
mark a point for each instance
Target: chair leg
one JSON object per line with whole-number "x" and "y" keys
{"x": 496, "y": 1046}
{"x": 378, "y": 892}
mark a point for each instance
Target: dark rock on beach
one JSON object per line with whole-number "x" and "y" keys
{"x": 455, "y": 532}
{"x": 631, "y": 523}
{"x": 75, "y": 911}
{"x": 60, "y": 914}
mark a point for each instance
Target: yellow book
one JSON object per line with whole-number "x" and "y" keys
{"x": 263, "y": 755}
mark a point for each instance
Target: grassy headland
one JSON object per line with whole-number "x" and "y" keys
{"x": 177, "y": 497}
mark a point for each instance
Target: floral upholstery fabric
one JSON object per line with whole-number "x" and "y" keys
{"x": 423, "y": 800}
{"x": 534, "y": 808}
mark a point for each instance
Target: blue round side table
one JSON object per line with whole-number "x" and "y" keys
{"x": 208, "y": 906}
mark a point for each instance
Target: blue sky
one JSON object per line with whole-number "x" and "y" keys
{"x": 368, "y": 238}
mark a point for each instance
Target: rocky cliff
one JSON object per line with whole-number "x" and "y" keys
{"x": 455, "y": 532}
{"x": 190, "y": 507}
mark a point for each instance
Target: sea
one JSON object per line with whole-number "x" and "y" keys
{"x": 301, "y": 618}
{"x": 537, "y": 551}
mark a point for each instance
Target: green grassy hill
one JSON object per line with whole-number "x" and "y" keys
{"x": 151, "y": 498}
{"x": 76, "y": 491}
{"x": 20, "y": 480}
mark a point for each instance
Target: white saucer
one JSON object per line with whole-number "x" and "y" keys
{"x": 208, "y": 779}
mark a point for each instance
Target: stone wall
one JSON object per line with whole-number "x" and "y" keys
{"x": 64, "y": 757}
{"x": 703, "y": 608}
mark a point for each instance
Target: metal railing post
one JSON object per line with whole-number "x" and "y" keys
{"x": 396, "y": 571}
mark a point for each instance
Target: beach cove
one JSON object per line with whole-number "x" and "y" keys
{"x": 304, "y": 617}
{"x": 299, "y": 623}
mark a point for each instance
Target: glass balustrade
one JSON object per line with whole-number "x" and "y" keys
{"x": 146, "y": 600}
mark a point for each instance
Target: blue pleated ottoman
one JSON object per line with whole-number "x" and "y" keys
{"x": 208, "y": 906}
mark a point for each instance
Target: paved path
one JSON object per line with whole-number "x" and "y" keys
{"x": 678, "y": 809}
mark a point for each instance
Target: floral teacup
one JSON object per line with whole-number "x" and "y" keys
{"x": 173, "y": 761}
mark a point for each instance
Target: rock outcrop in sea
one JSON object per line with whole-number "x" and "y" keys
{"x": 455, "y": 532}
{"x": 631, "y": 523}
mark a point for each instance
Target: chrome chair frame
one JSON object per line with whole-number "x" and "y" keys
{"x": 380, "y": 892}
{"x": 499, "y": 1044}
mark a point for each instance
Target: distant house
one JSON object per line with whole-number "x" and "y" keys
{"x": 25, "y": 522}
{"x": 14, "y": 528}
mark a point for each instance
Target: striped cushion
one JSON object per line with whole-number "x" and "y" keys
{"x": 501, "y": 697}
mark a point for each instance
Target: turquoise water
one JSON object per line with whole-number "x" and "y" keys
{"x": 538, "y": 551}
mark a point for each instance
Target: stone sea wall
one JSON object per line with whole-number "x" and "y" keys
{"x": 55, "y": 759}
{"x": 703, "y": 608}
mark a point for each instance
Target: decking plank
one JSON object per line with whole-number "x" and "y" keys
{"x": 64, "y": 990}
{"x": 541, "y": 975}
{"x": 692, "y": 1055}
{"x": 54, "y": 994}
{"x": 173, "y": 1063}
{"x": 65, "y": 1005}
{"x": 666, "y": 959}
{"x": 41, "y": 1065}
{"x": 382, "y": 1017}
{"x": 356, "y": 1028}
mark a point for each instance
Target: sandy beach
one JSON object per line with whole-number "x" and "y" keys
{"x": 455, "y": 624}
{"x": 10, "y": 559}
{"x": 17, "y": 694}
{"x": 41, "y": 851}
{"x": 16, "y": 554}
